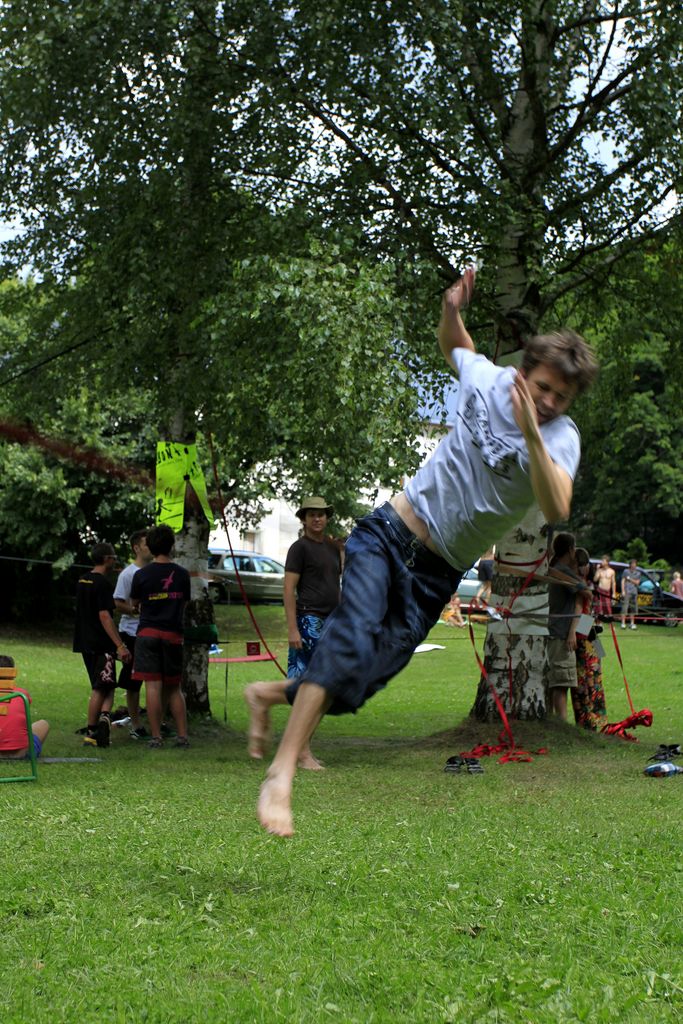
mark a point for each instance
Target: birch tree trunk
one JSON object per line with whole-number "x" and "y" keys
{"x": 515, "y": 648}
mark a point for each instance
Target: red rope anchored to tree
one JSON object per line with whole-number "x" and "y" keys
{"x": 257, "y": 628}
{"x": 506, "y": 741}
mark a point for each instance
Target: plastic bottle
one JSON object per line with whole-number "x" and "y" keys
{"x": 663, "y": 768}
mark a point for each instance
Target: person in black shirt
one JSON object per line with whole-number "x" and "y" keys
{"x": 311, "y": 592}
{"x": 161, "y": 590}
{"x": 97, "y": 639}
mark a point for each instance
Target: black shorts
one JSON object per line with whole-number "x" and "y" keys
{"x": 485, "y": 570}
{"x": 156, "y": 658}
{"x": 101, "y": 670}
{"x": 126, "y": 681}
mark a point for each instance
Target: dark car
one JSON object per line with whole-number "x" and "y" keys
{"x": 655, "y": 605}
{"x": 262, "y": 577}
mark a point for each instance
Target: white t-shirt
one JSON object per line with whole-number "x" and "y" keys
{"x": 128, "y": 623}
{"x": 477, "y": 485}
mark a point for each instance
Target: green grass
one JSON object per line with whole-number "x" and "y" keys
{"x": 141, "y": 888}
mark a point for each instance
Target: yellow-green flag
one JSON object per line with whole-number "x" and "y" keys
{"x": 177, "y": 465}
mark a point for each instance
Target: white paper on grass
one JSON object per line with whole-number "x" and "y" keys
{"x": 421, "y": 648}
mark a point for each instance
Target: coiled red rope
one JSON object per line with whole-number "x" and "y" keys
{"x": 643, "y": 717}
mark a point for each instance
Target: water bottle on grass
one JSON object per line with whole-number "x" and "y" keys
{"x": 663, "y": 768}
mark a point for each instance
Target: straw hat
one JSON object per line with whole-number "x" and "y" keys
{"x": 317, "y": 503}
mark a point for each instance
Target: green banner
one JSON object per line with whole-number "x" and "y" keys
{"x": 177, "y": 466}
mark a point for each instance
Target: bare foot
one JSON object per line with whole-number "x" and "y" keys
{"x": 308, "y": 762}
{"x": 274, "y": 809}
{"x": 259, "y": 722}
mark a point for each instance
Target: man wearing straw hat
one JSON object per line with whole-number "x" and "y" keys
{"x": 311, "y": 593}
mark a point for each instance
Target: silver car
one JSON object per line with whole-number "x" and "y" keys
{"x": 262, "y": 577}
{"x": 468, "y": 587}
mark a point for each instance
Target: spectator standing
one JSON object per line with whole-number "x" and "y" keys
{"x": 485, "y": 576}
{"x": 677, "y": 585}
{"x": 160, "y": 591}
{"x": 98, "y": 641}
{"x": 630, "y": 582}
{"x": 565, "y": 603}
{"x": 311, "y": 592}
{"x": 128, "y": 627}
{"x": 606, "y": 587}
{"x": 588, "y": 699}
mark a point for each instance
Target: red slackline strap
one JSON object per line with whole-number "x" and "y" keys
{"x": 232, "y": 554}
{"x": 643, "y": 717}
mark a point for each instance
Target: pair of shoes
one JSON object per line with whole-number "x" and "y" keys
{"x": 139, "y": 734}
{"x": 104, "y": 731}
{"x": 182, "y": 742}
{"x": 665, "y": 752}
{"x": 469, "y": 764}
{"x": 634, "y": 627}
{"x": 156, "y": 743}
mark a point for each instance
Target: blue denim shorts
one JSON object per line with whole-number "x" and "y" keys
{"x": 393, "y": 591}
{"x": 298, "y": 658}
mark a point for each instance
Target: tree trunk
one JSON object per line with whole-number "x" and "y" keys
{"x": 191, "y": 552}
{"x": 515, "y": 648}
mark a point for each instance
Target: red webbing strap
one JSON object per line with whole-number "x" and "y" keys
{"x": 232, "y": 555}
{"x": 643, "y": 717}
{"x": 621, "y": 665}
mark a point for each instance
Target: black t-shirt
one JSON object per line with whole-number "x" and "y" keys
{"x": 162, "y": 588}
{"x": 94, "y": 594}
{"x": 318, "y": 566}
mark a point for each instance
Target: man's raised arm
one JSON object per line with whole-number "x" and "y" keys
{"x": 452, "y": 333}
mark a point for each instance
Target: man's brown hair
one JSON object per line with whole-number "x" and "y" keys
{"x": 566, "y": 352}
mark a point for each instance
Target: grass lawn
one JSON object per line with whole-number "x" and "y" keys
{"x": 141, "y": 888}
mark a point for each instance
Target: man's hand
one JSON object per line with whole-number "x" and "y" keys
{"x": 571, "y": 640}
{"x": 523, "y": 407}
{"x": 459, "y": 294}
{"x": 124, "y": 654}
{"x": 294, "y": 639}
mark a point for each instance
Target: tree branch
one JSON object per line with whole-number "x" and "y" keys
{"x": 618, "y": 253}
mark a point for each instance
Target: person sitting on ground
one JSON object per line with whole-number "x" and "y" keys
{"x": 13, "y": 733}
{"x": 452, "y": 613}
{"x": 160, "y": 592}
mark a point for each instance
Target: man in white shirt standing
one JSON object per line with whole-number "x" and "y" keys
{"x": 128, "y": 628}
{"x": 510, "y": 444}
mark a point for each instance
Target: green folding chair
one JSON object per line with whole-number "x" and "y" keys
{"x": 8, "y": 693}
